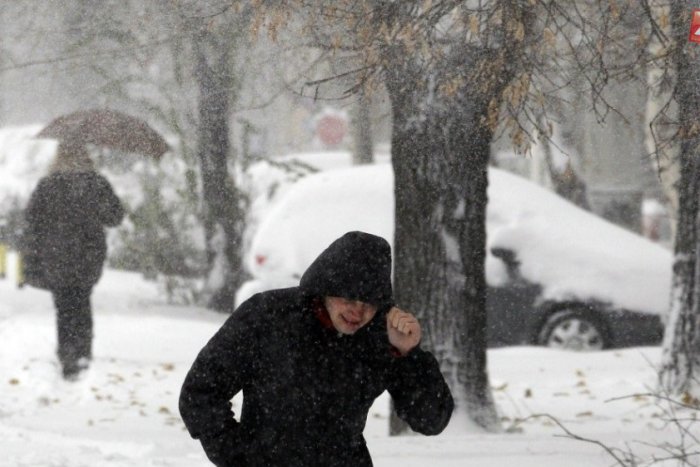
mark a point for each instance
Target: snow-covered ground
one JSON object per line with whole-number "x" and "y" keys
{"x": 124, "y": 412}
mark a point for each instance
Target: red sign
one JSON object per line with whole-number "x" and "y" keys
{"x": 331, "y": 129}
{"x": 694, "y": 35}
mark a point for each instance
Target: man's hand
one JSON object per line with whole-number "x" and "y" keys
{"x": 403, "y": 330}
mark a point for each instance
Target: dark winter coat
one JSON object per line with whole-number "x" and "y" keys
{"x": 64, "y": 243}
{"x": 306, "y": 389}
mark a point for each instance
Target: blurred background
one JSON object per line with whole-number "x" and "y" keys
{"x": 270, "y": 97}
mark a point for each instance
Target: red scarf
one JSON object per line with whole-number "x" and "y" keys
{"x": 324, "y": 318}
{"x": 321, "y": 313}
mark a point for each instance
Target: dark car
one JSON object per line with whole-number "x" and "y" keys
{"x": 557, "y": 275}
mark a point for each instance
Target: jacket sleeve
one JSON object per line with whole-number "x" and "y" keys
{"x": 29, "y": 245}
{"x": 110, "y": 209}
{"x": 221, "y": 370}
{"x": 35, "y": 221}
{"x": 421, "y": 396}
{"x": 31, "y": 219}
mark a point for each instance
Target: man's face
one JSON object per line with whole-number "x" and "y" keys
{"x": 348, "y": 316}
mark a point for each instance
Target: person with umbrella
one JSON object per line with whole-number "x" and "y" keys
{"x": 65, "y": 246}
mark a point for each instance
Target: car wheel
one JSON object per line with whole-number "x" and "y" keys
{"x": 573, "y": 330}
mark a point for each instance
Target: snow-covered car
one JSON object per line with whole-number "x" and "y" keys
{"x": 558, "y": 275}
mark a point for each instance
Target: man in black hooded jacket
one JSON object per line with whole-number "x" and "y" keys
{"x": 310, "y": 361}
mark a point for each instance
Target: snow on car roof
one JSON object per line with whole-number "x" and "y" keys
{"x": 574, "y": 254}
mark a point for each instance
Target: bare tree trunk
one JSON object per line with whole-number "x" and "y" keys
{"x": 680, "y": 369}
{"x": 363, "y": 152}
{"x": 224, "y": 223}
{"x": 443, "y": 121}
{"x": 440, "y": 156}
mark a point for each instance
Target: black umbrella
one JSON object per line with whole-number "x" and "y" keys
{"x": 107, "y": 128}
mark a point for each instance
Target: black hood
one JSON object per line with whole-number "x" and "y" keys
{"x": 357, "y": 266}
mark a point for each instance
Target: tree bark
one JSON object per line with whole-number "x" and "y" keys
{"x": 224, "y": 219}
{"x": 680, "y": 368}
{"x": 440, "y": 153}
{"x": 363, "y": 150}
